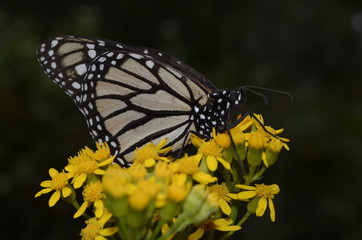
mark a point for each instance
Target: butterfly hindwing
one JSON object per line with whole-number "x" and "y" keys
{"x": 129, "y": 96}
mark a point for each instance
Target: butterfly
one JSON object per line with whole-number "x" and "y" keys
{"x": 130, "y": 96}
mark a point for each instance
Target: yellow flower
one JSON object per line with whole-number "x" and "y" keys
{"x": 222, "y": 194}
{"x": 137, "y": 171}
{"x": 115, "y": 181}
{"x": 58, "y": 184}
{"x": 190, "y": 165}
{"x": 237, "y": 132}
{"x": 178, "y": 189}
{"x": 92, "y": 193}
{"x": 222, "y": 139}
{"x": 221, "y": 224}
{"x": 141, "y": 194}
{"x": 210, "y": 151}
{"x": 95, "y": 228}
{"x": 163, "y": 171}
{"x": 264, "y": 195}
{"x": 103, "y": 152}
{"x": 271, "y": 152}
{"x": 276, "y": 132}
{"x": 83, "y": 165}
{"x": 196, "y": 141}
{"x": 150, "y": 153}
{"x": 256, "y": 142}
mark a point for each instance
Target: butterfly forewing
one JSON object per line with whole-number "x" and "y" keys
{"x": 129, "y": 96}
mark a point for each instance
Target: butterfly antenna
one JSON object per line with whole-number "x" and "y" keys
{"x": 267, "y": 89}
{"x": 266, "y": 101}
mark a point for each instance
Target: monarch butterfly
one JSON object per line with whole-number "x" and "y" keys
{"x": 130, "y": 96}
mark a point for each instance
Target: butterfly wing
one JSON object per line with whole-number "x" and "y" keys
{"x": 129, "y": 96}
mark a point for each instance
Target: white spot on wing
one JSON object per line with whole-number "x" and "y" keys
{"x": 90, "y": 46}
{"x": 92, "y": 53}
{"x": 76, "y": 85}
{"x": 150, "y": 63}
{"x": 54, "y": 43}
{"x": 137, "y": 56}
{"x": 81, "y": 69}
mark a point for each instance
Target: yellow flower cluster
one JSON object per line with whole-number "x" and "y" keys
{"x": 159, "y": 197}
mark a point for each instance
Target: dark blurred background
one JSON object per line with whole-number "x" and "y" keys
{"x": 311, "y": 49}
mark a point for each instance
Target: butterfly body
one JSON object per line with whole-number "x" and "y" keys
{"x": 131, "y": 96}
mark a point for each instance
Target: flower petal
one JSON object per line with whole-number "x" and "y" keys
{"x": 246, "y": 195}
{"x": 197, "y": 234}
{"x": 53, "y": 172}
{"x": 43, "y": 191}
{"x": 224, "y": 163}
{"x": 46, "y": 183}
{"x": 99, "y": 237}
{"x": 78, "y": 181}
{"x": 66, "y": 192}
{"x": 54, "y": 198}
{"x": 105, "y": 217}
{"x": 98, "y": 204}
{"x": 204, "y": 178}
{"x": 246, "y": 187}
{"x": 228, "y": 228}
{"x": 81, "y": 210}
{"x": 109, "y": 231}
{"x": 106, "y": 162}
{"x": 150, "y": 162}
{"x": 223, "y": 221}
{"x": 211, "y": 163}
{"x": 274, "y": 189}
{"x": 233, "y": 195}
{"x": 99, "y": 171}
{"x": 225, "y": 208}
{"x": 272, "y": 209}
{"x": 263, "y": 157}
{"x": 262, "y": 204}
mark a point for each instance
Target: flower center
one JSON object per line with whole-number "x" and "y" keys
{"x": 92, "y": 229}
{"x": 207, "y": 225}
{"x": 87, "y": 166}
{"x": 103, "y": 152}
{"x": 219, "y": 190}
{"x": 265, "y": 191}
{"x": 93, "y": 192}
{"x": 59, "y": 181}
{"x": 210, "y": 148}
{"x": 145, "y": 153}
{"x": 163, "y": 171}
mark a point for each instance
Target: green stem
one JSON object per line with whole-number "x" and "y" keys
{"x": 260, "y": 173}
{"x": 180, "y": 224}
{"x": 156, "y": 230}
{"x": 236, "y": 172}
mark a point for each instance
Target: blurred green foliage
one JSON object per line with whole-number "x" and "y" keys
{"x": 311, "y": 49}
